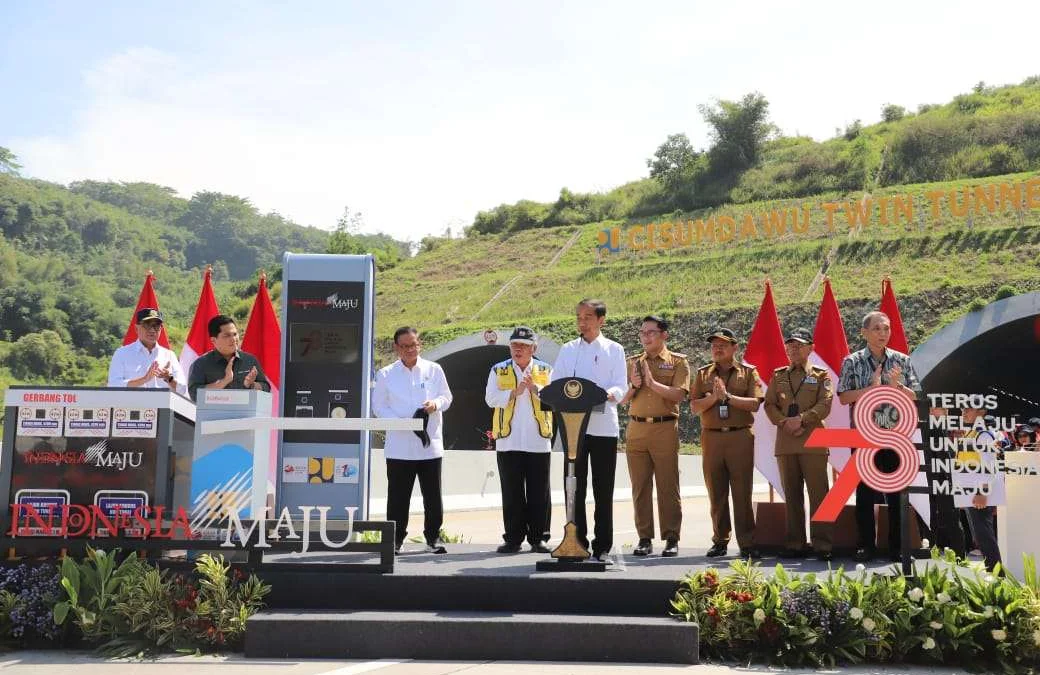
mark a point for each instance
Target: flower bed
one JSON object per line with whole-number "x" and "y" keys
{"x": 948, "y": 612}
{"x": 125, "y": 606}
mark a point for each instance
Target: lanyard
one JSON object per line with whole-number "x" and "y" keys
{"x": 794, "y": 392}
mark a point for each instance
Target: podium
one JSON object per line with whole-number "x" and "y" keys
{"x": 229, "y": 470}
{"x": 1016, "y": 519}
{"x": 117, "y": 449}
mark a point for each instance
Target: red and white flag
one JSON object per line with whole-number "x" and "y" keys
{"x": 830, "y": 347}
{"x": 263, "y": 340}
{"x": 890, "y": 307}
{"x": 765, "y": 350}
{"x": 198, "y": 343}
{"x": 898, "y": 342}
{"x": 145, "y": 299}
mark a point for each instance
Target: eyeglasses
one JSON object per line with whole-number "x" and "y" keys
{"x": 151, "y": 326}
{"x": 648, "y": 333}
{"x": 414, "y": 345}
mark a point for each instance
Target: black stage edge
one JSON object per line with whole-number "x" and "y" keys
{"x": 570, "y": 566}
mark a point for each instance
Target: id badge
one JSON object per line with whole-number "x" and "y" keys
{"x": 723, "y": 411}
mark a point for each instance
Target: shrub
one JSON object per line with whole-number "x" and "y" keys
{"x": 132, "y": 608}
{"x": 976, "y": 305}
{"x": 950, "y": 612}
{"x": 1005, "y": 292}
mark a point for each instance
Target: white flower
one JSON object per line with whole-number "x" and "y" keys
{"x": 925, "y": 543}
{"x": 936, "y": 625}
{"x": 915, "y": 594}
{"x": 987, "y": 611}
{"x": 942, "y": 598}
{"x": 988, "y": 578}
{"x": 856, "y": 613}
{"x": 869, "y": 625}
{"x": 760, "y": 616}
{"x": 928, "y": 644}
{"x": 1036, "y": 637}
{"x": 998, "y": 635}
{"x": 861, "y": 567}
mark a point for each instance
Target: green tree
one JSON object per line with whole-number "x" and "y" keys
{"x": 8, "y": 162}
{"x": 891, "y": 112}
{"x": 739, "y": 129}
{"x": 673, "y": 162}
{"x": 42, "y": 356}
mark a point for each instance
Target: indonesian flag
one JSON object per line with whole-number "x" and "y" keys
{"x": 263, "y": 340}
{"x": 765, "y": 350}
{"x": 146, "y": 299}
{"x": 198, "y": 343}
{"x": 890, "y": 307}
{"x": 829, "y": 349}
{"x": 898, "y": 342}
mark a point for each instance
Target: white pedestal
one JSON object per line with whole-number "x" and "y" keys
{"x": 1017, "y": 532}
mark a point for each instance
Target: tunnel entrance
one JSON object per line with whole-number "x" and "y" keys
{"x": 993, "y": 351}
{"x": 466, "y": 362}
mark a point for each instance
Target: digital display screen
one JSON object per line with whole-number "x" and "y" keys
{"x": 324, "y": 342}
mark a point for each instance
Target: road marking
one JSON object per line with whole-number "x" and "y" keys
{"x": 365, "y": 667}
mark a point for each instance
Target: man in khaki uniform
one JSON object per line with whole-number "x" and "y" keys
{"x": 658, "y": 380}
{"x": 726, "y": 394}
{"x": 798, "y": 400}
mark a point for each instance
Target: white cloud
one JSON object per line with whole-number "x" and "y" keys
{"x": 420, "y": 126}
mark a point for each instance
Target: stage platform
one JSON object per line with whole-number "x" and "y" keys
{"x": 474, "y": 603}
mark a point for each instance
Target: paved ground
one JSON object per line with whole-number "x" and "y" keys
{"x": 61, "y": 663}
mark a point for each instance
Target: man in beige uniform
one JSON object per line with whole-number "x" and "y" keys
{"x": 798, "y": 400}
{"x": 726, "y": 394}
{"x": 658, "y": 381}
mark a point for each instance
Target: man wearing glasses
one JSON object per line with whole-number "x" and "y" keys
{"x": 145, "y": 363}
{"x": 659, "y": 380}
{"x": 413, "y": 387}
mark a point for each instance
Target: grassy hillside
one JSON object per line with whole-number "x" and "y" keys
{"x": 444, "y": 289}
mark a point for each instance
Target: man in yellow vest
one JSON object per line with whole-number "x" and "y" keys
{"x": 523, "y": 441}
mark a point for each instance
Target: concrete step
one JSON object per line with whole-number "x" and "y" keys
{"x": 468, "y": 636}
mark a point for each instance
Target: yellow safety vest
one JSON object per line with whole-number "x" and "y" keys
{"x": 502, "y": 418}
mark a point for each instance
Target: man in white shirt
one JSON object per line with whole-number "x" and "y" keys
{"x": 602, "y": 361}
{"x": 411, "y": 387}
{"x": 145, "y": 363}
{"x": 523, "y": 439}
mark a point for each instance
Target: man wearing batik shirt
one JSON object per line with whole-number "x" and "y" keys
{"x": 873, "y": 366}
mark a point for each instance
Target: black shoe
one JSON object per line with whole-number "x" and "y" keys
{"x": 397, "y": 549}
{"x": 825, "y": 556}
{"x": 539, "y": 547}
{"x": 671, "y": 548}
{"x": 435, "y": 547}
{"x": 644, "y": 548}
{"x": 750, "y": 553}
{"x": 508, "y": 548}
{"x": 716, "y": 550}
{"x": 789, "y": 553}
{"x": 863, "y": 555}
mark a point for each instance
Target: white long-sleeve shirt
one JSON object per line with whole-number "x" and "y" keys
{"x": 132, "y": 361}
{"x": 523, "y": 435}
{"x": 603, "y": 362}
{"x": 398, "y": 392}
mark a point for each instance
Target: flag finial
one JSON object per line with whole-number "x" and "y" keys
{"x": 150, "y": 273}
{"x": 263, "y": 276}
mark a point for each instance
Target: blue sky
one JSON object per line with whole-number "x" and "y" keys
{"x": 419, "y": 115}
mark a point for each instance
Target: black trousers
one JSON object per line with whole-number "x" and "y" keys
{"x": 525, "y": 495}
{"x": 601, "y": 453}
{"x": 983, "y": 526}
{"x": 400, "y": 479}
{"x": 866, "y": 497}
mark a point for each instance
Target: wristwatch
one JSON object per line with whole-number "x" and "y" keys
{"x": 170, "y": 379}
